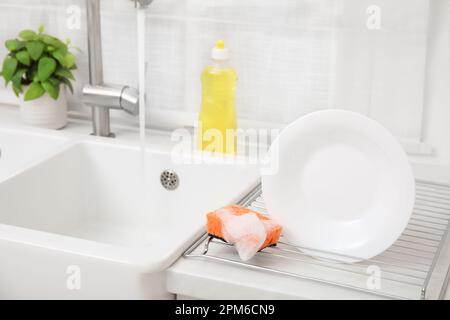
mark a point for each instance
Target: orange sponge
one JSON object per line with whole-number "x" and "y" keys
{"x": 217, "y": 219}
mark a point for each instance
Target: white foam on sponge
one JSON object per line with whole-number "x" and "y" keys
{"x": 247, "y": 232}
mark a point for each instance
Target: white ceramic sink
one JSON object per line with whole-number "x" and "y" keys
{"x": 86, "y": 207}
{"x": 19, "y": 149}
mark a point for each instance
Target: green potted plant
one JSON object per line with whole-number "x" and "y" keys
{"x": 39, "y": 68}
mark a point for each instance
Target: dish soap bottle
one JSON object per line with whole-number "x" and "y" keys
{"x": 217, "y": 119}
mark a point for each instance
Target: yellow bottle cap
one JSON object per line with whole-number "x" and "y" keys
{"x": 219, "y": 52}
{"x": 220, "y": 44}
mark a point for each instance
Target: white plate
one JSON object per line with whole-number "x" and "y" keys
{"x": 343, "y": 185}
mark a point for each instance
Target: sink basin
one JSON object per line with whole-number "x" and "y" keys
{"x": 18, "y": 149}
{"x": 101, "y": 207}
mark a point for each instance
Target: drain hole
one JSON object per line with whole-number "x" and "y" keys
{"x": 169, "y": 179}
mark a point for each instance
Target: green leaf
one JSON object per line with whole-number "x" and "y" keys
{"x": 52, "y": 90}
{"x": 52, "y": 41}
{"x": 13, "y": 44}
{"x": 35, "y": 90}
{"x": 65, "y": 73}
{"x": 54, "y": 81}
{"x": 69, "y": 60}
{"x": 9, "y": 68}
{"x": 35, "y": 49}
{"x": 64, "y": 57}
{"x": 27, "y": 35}
{"x": 68, "y": 84}
{"x": 41, "y": 28}
{"x": 46, "y": 67}
{"x": 17, "y": 78}
{"x": 17, "y": 91}
{"x": 17, "y": 81}
{"x": 23, "y": 57}
{"x": 60, "y": 54}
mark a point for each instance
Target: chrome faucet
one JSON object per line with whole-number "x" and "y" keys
{"x": 98, "y": 95}
{"x": 142, "y": 3}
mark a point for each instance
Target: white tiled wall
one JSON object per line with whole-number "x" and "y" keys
{"x": 292, "y": 56}
{"x": 281, "y": 49}
{"x": 381, "y": 72}
{"x": 436, "y": 116}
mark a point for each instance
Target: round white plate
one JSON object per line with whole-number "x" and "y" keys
{"x": 341, "y": 183}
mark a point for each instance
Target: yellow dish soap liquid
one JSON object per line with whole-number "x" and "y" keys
{"x": 217, "y": 119}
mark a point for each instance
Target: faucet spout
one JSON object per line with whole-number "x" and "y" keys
{"x": 142, "y": 3}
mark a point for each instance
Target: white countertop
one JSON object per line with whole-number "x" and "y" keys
{"x": 207, "y": 279}
{"x": 158, "y": 139}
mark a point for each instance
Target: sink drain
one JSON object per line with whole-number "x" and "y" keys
{"x": 169, "y": 179}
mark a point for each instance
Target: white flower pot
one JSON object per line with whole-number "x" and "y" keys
{"x": 45, "y": 112}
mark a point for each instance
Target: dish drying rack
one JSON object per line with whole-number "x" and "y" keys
{"x": 412, "y": 266}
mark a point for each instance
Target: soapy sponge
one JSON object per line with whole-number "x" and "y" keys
{"x": 248, "y": 230}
